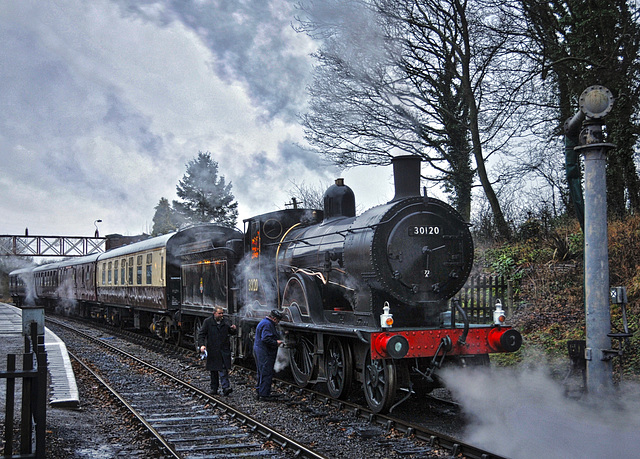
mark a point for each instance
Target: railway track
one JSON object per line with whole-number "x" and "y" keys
{"x": 399, "y": 436}
{"x": 185, "y": 421}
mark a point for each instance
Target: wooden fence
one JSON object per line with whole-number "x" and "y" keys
{"x": 479, "y": 295}
{"x": 34, "y": 398}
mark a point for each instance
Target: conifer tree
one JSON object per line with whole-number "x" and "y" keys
{"x": 165, "y": 219}
{"x": 205, "y": 195}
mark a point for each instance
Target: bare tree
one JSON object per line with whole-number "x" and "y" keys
{"x": 308, "y": 196}
{"x": 579, "y": 44}
{"x": 435, "y": 78}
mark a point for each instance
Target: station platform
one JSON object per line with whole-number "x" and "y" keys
{"x": 62, "y": 391}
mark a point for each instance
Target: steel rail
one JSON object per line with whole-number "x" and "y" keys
{"x": 454, "y": 445}
{"x": 433, "y": 438}
{"x": 131, "y": 409}
{"x": 299, "y": 449}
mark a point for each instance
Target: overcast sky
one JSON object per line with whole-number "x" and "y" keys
{"x": 103, "y": 102}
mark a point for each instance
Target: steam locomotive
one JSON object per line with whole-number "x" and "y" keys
{"x": 365, "y": 298}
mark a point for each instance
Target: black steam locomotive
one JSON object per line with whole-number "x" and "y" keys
{"x": 365, "y": 298}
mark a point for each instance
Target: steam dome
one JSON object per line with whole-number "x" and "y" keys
{"x": 339, "y": 201}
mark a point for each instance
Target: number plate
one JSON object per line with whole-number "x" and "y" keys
{"x": 424, "y": 230}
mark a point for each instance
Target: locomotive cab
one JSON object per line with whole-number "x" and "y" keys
{"x": 263, "y": 235}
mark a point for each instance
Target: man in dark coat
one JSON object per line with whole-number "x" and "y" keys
{"x": 265, "y": 350}
{"x": 214, "y": 339}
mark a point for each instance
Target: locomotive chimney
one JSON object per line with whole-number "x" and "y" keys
{"x": 406, "y": 176}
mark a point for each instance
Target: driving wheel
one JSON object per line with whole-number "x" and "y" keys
{"x": 379, "y": 383}
{"x": 338, "y": 367}
{"x": 301, "y": 356}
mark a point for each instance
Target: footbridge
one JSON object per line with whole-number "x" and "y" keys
{"x": 51, "y": 246}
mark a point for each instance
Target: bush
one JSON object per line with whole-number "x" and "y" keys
{"x": 551, "y": 290}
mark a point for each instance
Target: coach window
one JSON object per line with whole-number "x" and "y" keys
{"x": 104, "y": 273}
{"x": 122, "y": 270}
{"x": 115, "y": 272}
{"x": 130, "y": 270}
{"x": 149, "y": 268}
{"x": 139, "y": 270}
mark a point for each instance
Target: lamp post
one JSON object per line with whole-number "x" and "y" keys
{"x": 95, "y": 223}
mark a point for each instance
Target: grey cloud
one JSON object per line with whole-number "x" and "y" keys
{"x": 83, "y": 126}
{"x": 127, "y": 123}
{"x": 293, "y": 154}
{"x": 253, "y": 42}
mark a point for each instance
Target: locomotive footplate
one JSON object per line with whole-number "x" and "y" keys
{"x": 426, "y": 343}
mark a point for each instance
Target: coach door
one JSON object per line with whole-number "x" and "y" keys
{"x": 205, "y": 285}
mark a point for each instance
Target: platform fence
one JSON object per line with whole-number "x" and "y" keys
{"x": 33, "y": 395}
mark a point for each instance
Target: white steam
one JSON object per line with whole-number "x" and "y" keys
{"x": 30, "y": 289}
{"x": 282, "y": 360}
{"x": 246, "y": 273}
{"x": 67, "y": 304}
{"x": 524, "y": 414}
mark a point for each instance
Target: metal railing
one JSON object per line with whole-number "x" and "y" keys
{"x": 479, "y": 295}
{"x": 34, "y": 398}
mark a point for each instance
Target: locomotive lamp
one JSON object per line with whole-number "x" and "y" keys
{"x": 386, "y": 318}
{"x": 498, "y": 315}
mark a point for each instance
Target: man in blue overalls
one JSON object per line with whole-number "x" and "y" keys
{"x": 265, "y": 350}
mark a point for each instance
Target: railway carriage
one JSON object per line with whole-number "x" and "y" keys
{"x": 21, "y": 286}
{"x": 77, "y": 286}
{"x": 46, "y": 279}
{"x": 140, "y": 284}
{"x": 81, "y": 274}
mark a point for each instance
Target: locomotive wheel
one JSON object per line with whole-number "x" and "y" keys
{"x": 166, "y": 333}
{"x": 177, "y": 335}
{"x": 302, "y": 361}
{"x": 380, "y": 383}
{"x": 338, "y": 367}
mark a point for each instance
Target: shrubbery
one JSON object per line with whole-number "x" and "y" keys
{"x": 547, "y": 268}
